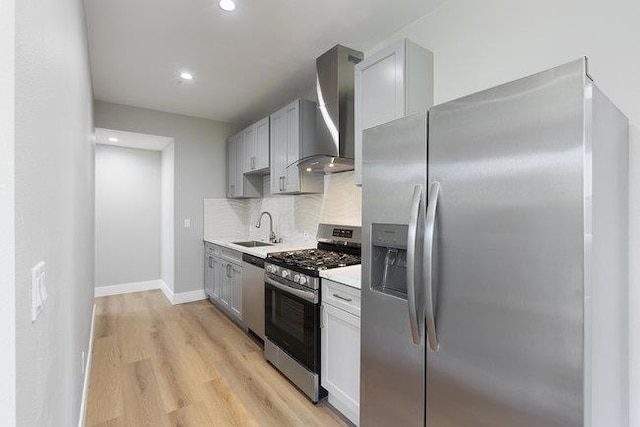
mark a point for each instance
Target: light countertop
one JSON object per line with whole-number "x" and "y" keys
{"x": 349, "y": 276}
{"x": 260, "y": 251}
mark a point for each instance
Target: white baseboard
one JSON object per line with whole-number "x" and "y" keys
{"x": 125, "y": 288}
{"x": 87, "y": 373}
{"x": 168, "y": 293}
{"x": 182, "y": 297}
{"x": 185, "y": 297}
{"x": 174, "y": 298}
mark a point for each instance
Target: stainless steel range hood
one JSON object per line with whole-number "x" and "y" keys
{"x": 334, "y": 117}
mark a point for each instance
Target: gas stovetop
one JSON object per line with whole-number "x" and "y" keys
{"x": 338, "y": 246}
{"x": 314, "y": 260}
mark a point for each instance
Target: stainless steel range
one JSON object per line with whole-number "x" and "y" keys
{"x": 292, "y": 303}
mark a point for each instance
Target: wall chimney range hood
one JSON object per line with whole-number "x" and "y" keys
{"x": 334, "y": 117}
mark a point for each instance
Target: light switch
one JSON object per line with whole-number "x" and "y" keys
{"x": 38, "y": 289}
{"x": 187, "y": 223}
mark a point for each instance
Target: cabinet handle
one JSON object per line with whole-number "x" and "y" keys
{"x": 253, "y": 163}
{"x": 321, "y": 316}
{"x": 342, "y": 298}
{"x": 233, "y": 190}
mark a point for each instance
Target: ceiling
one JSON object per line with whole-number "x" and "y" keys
{"x": 132, "y": 140}
{"x": 245, "y": 63}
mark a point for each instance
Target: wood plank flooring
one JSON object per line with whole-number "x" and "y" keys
{"x": 160, "y": 365}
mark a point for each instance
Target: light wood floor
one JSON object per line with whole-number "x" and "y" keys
{"x": 160, "y": 365}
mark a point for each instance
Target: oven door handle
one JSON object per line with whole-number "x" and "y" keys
{"x": 305, "y": 295}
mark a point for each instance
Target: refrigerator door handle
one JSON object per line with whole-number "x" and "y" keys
{"x": 429, "y": 233}
{"x": 412, "y": 238}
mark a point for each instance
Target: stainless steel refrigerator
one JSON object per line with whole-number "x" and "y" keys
{"x": 494, "y": 260}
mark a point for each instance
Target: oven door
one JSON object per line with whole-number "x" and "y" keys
{"x": 292, "y": 321}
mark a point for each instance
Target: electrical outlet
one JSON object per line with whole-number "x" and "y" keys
{"x": 38, "y": 289}
{"x": 83, "y": 366}
{"x": 187, "y": 223}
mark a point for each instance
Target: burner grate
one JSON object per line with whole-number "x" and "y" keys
{"x": 315, "y": 259}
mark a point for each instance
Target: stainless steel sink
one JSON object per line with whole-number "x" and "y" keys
{"x": 252, "y": 244}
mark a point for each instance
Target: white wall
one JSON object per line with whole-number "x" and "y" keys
{"x": 199, "y": 173}
{"x": 634, "y": 275}
{"x": 477, "y": 45}
{"x": 54, "y": 214}
{"x": 127, "y": 215}
{"x": 7, "y": 222}
{"x": 167, "y": 247}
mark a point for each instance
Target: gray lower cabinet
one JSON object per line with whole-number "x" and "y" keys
{"x": 212, "y": 266}
{"x": 223, "y": 278}
{"x": 340, "y": 347}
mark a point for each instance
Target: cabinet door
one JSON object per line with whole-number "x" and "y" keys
{"x": 225, "y": 291}
{"x": 236, "y": 290}
{"x": 292, "y": 174}
{"x": 340, "y": 360}
{"x": 278, "y": 133}
{"x": 217, "y": 279}
{"x": 249, "y": 155}
{"x": 262, "y": 144}
{"x": 209, "y": 277}
{"x": 240, "y": 154}
{"x": 231, "y": 166}
{"x": 379, "y": 93}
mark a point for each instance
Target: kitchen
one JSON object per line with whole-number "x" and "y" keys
{"x": 383, "y": 208}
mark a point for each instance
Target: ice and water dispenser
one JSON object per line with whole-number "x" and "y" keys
{"x": 389, "y": 259}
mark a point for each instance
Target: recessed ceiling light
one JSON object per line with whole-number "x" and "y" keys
{"x": 227, "y": 5}
{"x": 185, "y": 75}
{"x": 309, "y": 169}
{"x": 113, "y": 139}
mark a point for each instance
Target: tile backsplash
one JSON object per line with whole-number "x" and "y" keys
{"x": 295, "y": 218}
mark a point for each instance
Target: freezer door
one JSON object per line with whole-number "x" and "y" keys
{"x": 392, "y": 334}
{"x": 508, "y": 254}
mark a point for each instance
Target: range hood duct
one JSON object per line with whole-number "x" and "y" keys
{"x": 334, "y": 116}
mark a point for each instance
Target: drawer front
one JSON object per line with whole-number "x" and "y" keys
{"x": 232, "y": 256}
{"x": 212, "y": 249}
{"x": 341, "y": 296}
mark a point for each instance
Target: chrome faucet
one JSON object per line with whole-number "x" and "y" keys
{"x": 272, "y": 235}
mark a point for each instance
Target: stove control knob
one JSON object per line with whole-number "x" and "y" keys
{"x": 297, "y": 278}
{"x": 303, "y": 280}
{"x": 285, "y": 273}
{"x": 271, "y": 268}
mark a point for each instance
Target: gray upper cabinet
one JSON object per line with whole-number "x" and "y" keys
{"x": 240, "y": 185}
{"x": 232, "y": 165}
{"x": 256, "y": 144}
{"x": 249, "y": 141}
{"x": 293, "y": 138}
{"x": 380, "y": 99}
{"x": 261, "y": 153}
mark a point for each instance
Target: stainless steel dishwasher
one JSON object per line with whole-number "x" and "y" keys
{"x": 253, "y": 294}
